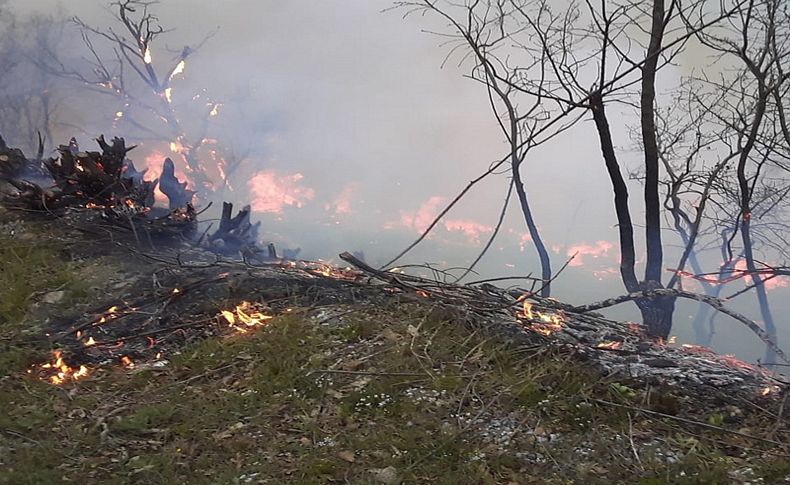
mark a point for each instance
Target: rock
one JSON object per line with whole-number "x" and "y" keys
{"x": 387, "y": 476}
{"x": 54, "y": 297}
{"x": 346, "y": 456}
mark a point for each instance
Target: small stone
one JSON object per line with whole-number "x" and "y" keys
{"x": 346, "y": 456}
{"x": 54, "y": 297}
{"x": 387, "y": 476}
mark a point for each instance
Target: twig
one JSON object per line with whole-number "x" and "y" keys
{"x": 367, "y": 373}
{"x": 691, "y": 421}
{"x": 631, "y": 440}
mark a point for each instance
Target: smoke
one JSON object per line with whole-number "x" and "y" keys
{"x": 354, "y": 137}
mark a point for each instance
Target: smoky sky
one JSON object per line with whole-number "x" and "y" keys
{"x": 344, "y": 93}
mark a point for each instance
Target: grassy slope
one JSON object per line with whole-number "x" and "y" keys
{"x": 413, "y": 396}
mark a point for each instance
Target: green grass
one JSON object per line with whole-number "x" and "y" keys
{"x": 260, "y": 405}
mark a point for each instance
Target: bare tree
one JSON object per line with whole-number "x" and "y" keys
{"x": 123, "y": 62}
{"x": 28, "y": 104}
{"x": 757, "y": 42}
{"x": 555, "y": 58}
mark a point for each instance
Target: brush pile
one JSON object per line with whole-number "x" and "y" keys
{"x": 102, "y": 190}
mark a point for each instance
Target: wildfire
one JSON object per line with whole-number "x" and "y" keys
{"x": 245, "y": 315}
{"x": 61, "y": 372}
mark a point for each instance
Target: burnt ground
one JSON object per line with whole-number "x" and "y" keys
{"x": 343, "y": 377}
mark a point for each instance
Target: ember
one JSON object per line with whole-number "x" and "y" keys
{"x": 614, "y": 345}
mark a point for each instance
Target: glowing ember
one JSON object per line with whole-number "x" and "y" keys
{"x": 736, "y": 363}
{"x": 768, "y": 390}
{"x": 58, "y": 372}
{"x": 610, "y": 345}
{"x": 245, "y": 315}
{"x": 126, "y": 361}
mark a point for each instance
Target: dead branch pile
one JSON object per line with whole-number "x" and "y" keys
{"x": 108, "y": 184}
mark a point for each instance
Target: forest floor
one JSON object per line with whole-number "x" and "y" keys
{"x": 365, "y": 392}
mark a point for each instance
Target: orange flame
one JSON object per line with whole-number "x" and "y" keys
{"x": 62, "y": 371}
{"x": 542, "y": 323}
{"x": 272, "y": 192}
{"x": 127, "y": 361}
{"x": 245, "y": 315}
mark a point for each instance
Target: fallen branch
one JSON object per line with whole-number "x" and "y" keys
{"x": 716, "y": 303}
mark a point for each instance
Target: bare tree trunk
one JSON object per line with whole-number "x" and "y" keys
{"x": 759, "y": 288}
{"x": 656, "y": 311}
{"x": 540, "y": 247}
{"x": 624, "y": 225}
{"x": 746, "y": 216}
{"x": 655, "y": 256}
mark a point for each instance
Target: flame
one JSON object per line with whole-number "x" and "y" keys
{"x": 214, "y": 110}
{"x": 614, "y": 345}
{"x": 90, "y": 342}
{"x": 179, "y": 69}
{"x": 245, "y": 314}
{"x": 469, "y": 228}
{"x": 768, "y": 390}
{"x": 169, "y": 95}
{"x": 601, "y": 248}
{"x": 542, "y": 323}
{"x": 127, "y": 361}
{"x": 343, "y": 201}
{"x": 527, "y": 310}
{"x": 272, "y": 192}
{"x": 62, "y": 371}
{"x": 176, "y": 291}
{"x": 147, "y": 56}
